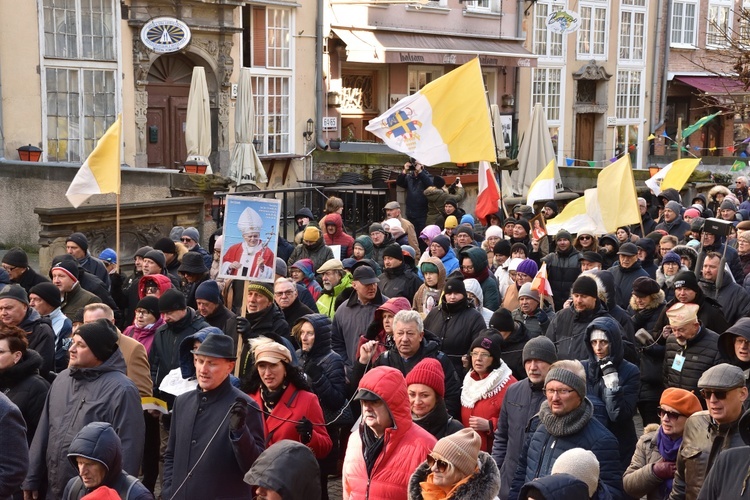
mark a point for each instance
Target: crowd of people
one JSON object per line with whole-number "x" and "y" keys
{"x": 426, "y": 363}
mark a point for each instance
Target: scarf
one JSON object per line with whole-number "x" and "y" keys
{"x": 270, "y": 398}
{"x": 372, "y": 448}
{"x": 474, "y": 390}
{"x": 668, "y": 449}
{"x": 435, "y": 421}
{"x": 569, "y": 424}
{"x": 431, "y": 491}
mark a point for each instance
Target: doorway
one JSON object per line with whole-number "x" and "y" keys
{"x": 585, "y": 126}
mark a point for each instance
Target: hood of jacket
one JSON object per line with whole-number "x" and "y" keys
{"x": 556, "y": 486}
{"x": 605, "y": 285}
{"x": 161, "y": 280}
{"x": 307, "y": 266}
{"x": 322, "y": 326}
{"x": 429, "y": 232}
{"x": 28, "y": 365}
{"x": 478, "y": 258}
{"x": 115, "y": 363}
{"x": 389, "y": 385}
{"x": 670, "y": 194}
{"x": 98, "y": 441}
{"x": 726, "y": 341}
{"x": 187, "y": 367}
{"x": 441, "y": 270}
{"x": 336, "y": 220}
{"x": 612, "y": 240}
{"x": 272, "y": 471}
{"x": 614, "y": 333}
{"x": 649, "y": 246}
{"x": 718, "y": 190}
{"x": 31, "y": 318}
{"x": 365, "y": 242}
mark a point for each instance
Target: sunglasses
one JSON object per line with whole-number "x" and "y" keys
{"x": 720, "y": 395}
{"x": 185, "y": 240}
{"x": 442, "y": 465}
{"x": 671, "y": 415}
{"x": 584, "y": 238}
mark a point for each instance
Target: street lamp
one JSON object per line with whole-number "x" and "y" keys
{"x": 29, "y": 153}
{"x": 307, "y": 134}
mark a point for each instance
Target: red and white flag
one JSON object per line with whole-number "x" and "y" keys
{"x": 540, "y": 283}
{"x": 489, "y": 192}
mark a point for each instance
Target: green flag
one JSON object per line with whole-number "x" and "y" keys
{"x": 592, "y": 163}
{"x": 737, "y": 166}
{"x": 697, "y": 125}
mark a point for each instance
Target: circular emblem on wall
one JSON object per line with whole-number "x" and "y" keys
{"x": 165, "y": 34}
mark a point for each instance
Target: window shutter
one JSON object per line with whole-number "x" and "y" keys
{"x": 259, "y": 36}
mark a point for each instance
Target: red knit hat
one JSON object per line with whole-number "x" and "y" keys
{"x": 429, "y": 372}
{"x": 681, "y": 400}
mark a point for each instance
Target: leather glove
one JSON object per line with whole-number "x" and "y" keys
{"x": 304, "y": 429}
{"x": 609, "y": 373}
{"x": 664, "y": 470}
{"x": 644, "y": 337}
{"x": 237, "y": 416}
{"x": 243, "y": 329}
{"x": 313, "y": 370}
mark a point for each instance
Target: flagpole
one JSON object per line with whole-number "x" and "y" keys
{"x": 117, "y": 232}
{"x": 496, "y": 173}
{"x": 635, "y": 189}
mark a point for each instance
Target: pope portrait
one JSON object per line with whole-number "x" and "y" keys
{"x": 250, "y": 258}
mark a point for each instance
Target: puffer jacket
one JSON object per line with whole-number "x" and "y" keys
{"x": 701, "y": 353}
{"x": 624, "y": 278}
{"x": 639, "y": 479}
{"x": 427, "y": 297}
{"x": 483, "y": 275}
{"x": 726, "y": 344}
{"x": 568, "y": 329}
{"x": 26, "y": 388}
{"x": 456, "y": 326}
{"x": 618, "y": 405}
{"x": 405, "y": 445}
{"x": 79, "y": 396}
{"x": 697, "y": 454}
{"x": 318, "y": 252}
{"x": 562, "y": 270}
{"x": 522, "y": 401}
{"x": 734, "y": 300}
{"x": 339, "y": 237}
{"x": 399, "y": 281}
{"x": 483, "y": 484}
{"x": 327, "y": 301}
{"x": 98, "y": 441}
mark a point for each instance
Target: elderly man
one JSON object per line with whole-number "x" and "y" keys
{"x": 734, "y": 300}
{"x": 522, "y": 401}
{"x": 45, "y": 299}
{"x": 286, "y": 297}
{"x": 191, "y": 239}
{"x": 15, "y": 311}
{"x": 629, "y": 270}
{"x": 566, "y": 419}
{"x": 16, "y": 262}
{"x": 411, "y": 345}
{"x": 563, "y": 267}
{"x": 529, "y": 312}
{"x": 372, "y": 470}
{"x": 77, "y": 245}
{"x": 591, "y": 261}
{"x": 355, "y": 315}
{"x": 708, "y": 433}
{"x": 270, "y": 473}
{"x": 74, "y": 298}
{"x": 672, "y": 221}
{"x": 216, "y": 432}
{"x": 691, "y": 348}
{"x": 93, "y": 389}
{"x": 335, "y": 281}
{"x": 393, "y": 211}
{"x": 212, "y": 308}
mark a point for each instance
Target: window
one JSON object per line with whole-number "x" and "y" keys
{"x": 419, "y": 76}
{"x": 592, "y": 32}
{"x": 546, "y": 88}
{"x": 478, "y": 5}
{"x": 628, "y": 94}
{"x": 547, "y": 43}
{"x": 684, "y": 15}
{"x": 267, "y": 51}
{"x": 744, "y": 19}
{"x": 632, "y": 31}
{"x": 717, "y": 29}
{"x": 79, "y": 75}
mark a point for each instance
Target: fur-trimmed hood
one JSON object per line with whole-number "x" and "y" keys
{"x": 716, "y": 190}
{"x": 686, "y": 251}
{"x": 484, "y": 484}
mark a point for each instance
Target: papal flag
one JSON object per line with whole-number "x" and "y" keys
{"x": 617, "y": 198}
{"x": 448, "y": 120}
{"x": 543, "y": 187}
{"x": 100, "y": 173}
{"x": 674, "y": 175}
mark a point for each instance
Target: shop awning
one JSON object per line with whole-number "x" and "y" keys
{"x": 714, "y": 85}
{"x": 389, "y": 47}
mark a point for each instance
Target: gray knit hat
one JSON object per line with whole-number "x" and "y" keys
{"x": 540, "y": 348}
{"x": 568, "y": 378}
{"x": 674, "y": 207}
{"x": 722, "y": 377}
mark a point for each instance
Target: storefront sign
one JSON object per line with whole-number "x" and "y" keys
{"x": 165, "y": 34}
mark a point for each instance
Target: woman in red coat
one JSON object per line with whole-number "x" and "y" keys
{"x": 290, "y": 410}
{"x": 484, "y": 386}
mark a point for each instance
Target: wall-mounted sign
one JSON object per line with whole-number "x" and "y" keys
{"x": 563, "y": 21}
{"x": 165, "y": 34}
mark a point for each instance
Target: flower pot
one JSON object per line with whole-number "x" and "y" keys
{"x": 334, "y": 144}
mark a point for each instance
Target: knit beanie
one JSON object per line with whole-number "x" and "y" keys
{"x": 376, "y": 226}
{"x": 687, "y": 279}
{"x": 671, "y": 257}
{"x": 585, "y": 285}
{"x": 394, "y": 251}
{"x": 48, "y": 292}
{"x": 165, "y": 245}
{"x": 493, "y": 232}
{"x": 685, "y": 402}
{"x": 192, "y": 233}
{"x": 16, "y": 292}
{"x": 151, "y": 304}
{"x": 692, "y": 213}
{"x": 502, "y": 320}
{"x": 502, "y": 247}
{"x": 428, "y": 267}
{"x": 141, "y": 252}
{"x": 450, "y": 222}
{"x": 262, "y": 288}
{"x": 176, "y": 233}
{"x": 311, "y": 234}
{"x": 463, "y": 228}
{"x": 674, "y": 207}
{"x": 16, "y": 257}
{"x": 102, "y": 493}
{"x": 158, "y": 257}
{"x": 438, "y": 182}
{"x": 528, "y": 267}
{"x": 490, "y": 341}
{"x": 541, "y": 348}
{"x": 525, "y": 224}
{"x": 451, "y": 201}
{"x": 172, "y": 300}
{"x": 563, "y": 235}
{"x": 568, "y": 378}
{"x": 581, "y": 464}
{"x": 100, "y": 337}
{"x": 526, "y": 291}
{"x": 67, "y": 266}
{"x": 728, "y": 205}
{"x": 80, "y": 240}
{"x": 208, "y": 290}
{"x": 551, "y": 204}
{"x": 515, "y": 247}
{"x": 428, "y": 372}
{"x": 443, "y": 241}
{"x": 455, "y": 285}
{"x": 461, "y": 449}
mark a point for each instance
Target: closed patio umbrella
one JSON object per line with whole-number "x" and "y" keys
{"x": 198, "y": 120}
{"x": 246, "y": 166}
{"x": 535, "y": 153}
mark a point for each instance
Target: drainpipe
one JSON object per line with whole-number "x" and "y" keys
{"x": 519, "y": 30}
{"x": 319, "y": 74}
{"x": 668, "y": 29}
{"x": 2, "y": 134}
{"x": 654, "y": 66}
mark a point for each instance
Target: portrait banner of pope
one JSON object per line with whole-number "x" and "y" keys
{"x": 251, "y": 233}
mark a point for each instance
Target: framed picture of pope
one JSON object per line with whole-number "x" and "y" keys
{"x": 251, "y": 234}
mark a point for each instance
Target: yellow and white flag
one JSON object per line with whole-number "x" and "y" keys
{"x": 617, "y": 198}
{"x": 100, "y": 173}
{"x": 448, "y": 120}
{"x": 543, "y": 187}
{"x": 674, "y": 175}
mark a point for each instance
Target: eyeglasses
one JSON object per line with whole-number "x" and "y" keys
{"x": 671, "y": 415}
{"x": 720, "y": 395}
{"x": 467, "y": 268}
{"x": 561, "y": 392}
{"x": 141, "y": 312}
{"x": 441, "y": 465}
{"x": 740, "y": 342}
{"x": 185, "y": 240}
{"x": 481, "y": 355}
{"x": 9, "y": 268}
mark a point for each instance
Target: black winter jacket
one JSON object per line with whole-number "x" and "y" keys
{"x": 568, "y": 331}
{"x": 701, "y": 353}
{"x": 26, "y": 388}
{"x": 399, "y": 282}
{"x": 41, "y": 338}
{"x": 562, "y": 270}
{"x": 416, "y": 201}
{"x": 456, "y": 326}
{"x": 624, "y": 278}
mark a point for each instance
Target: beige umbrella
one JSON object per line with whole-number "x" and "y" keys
{"x": 198, "y": 120}
{"x": 505, "y": 181}
{"x": 246, "y": 166}
{"x": 535, "y": 153}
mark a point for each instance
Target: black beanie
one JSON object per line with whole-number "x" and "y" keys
{"x": 172, "y": 300}
{"x": 465, "y": 229}
{"x": 208, "y": 290}
{"x": 455, "y": 285}
{"x": 490, "y": 341}
{"x": 393, "y": 251}
{"x": 451, "y": 201}
{"x": 686, "y": 279}
{"x": 15, "y": 292}
{"x": 165, "y": 245}
{"x": 80, "y": 240}
{"x": 16, "y": 257}
{"x": 158, "y": 257}
{"x": 438, "y": 182}
{"x": 151, "y": 304}
{"x": 100, "y": 337}
{"x": 443, "y": 241}
{"x": 502, "y": 247}
{"x": 48, "y": 293}
{"x": 563, "y": 235}
{"x": 525, "y": 224}
{"x": 68, "y": 266}
{"x": 586, "y": 285}
{"x": 502, "y": 320}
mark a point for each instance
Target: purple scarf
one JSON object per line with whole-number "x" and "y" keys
{"x": 668, "y": 449}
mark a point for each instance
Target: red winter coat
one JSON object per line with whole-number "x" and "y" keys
{"x": 339, "y": 237}
{"x": 405, "y": 446}
{"x": 293, "y": 405}
{"x": 489, "y": 404}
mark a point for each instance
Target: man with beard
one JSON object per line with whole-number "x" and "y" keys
{"x": 335, "y": 281}
{"x": 250, "y": 258}
{"x": 563, "y": 267}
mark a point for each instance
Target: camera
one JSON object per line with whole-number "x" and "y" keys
{"x": 412, "y": 164}
{"x": 717, "y": 227}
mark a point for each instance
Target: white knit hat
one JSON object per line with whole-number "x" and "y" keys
{"x": 581, "y": 464}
